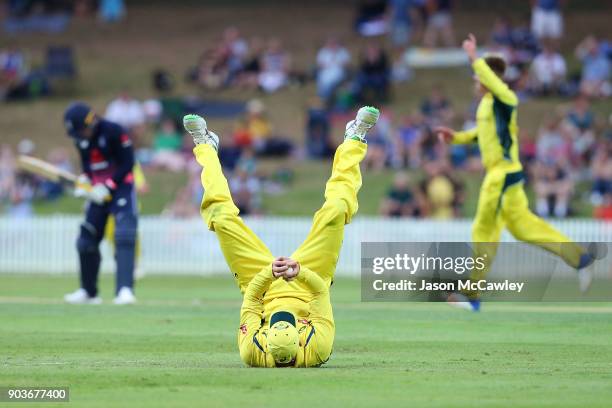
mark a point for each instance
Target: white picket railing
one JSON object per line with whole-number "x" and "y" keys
{"x": 172, "y": 246}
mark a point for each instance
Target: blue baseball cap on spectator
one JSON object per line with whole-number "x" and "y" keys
{"x": 78, "y": 117}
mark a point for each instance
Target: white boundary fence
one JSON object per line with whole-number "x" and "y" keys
{"x": 171, "y": 246}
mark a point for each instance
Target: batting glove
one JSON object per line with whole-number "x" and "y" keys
{"x": 82, "y": 187}
{"x": 99, "y": 194}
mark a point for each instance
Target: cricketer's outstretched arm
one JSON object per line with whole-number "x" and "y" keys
{"x": 493, "y": 83}
{"x": 465, "y": 136}
{"x": 250, "y": 341}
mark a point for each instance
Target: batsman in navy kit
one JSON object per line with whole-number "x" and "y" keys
{"x": 107, "y": 182}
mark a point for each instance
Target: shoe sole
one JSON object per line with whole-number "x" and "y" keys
{"x": 371, "y": 115}
{"x": 193, "y": 119}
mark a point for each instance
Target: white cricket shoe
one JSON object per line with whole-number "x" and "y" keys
{"x": 125, "y": 296}
{"x": 81, "y": 297}
{"x": 585, "y": 279}
{"x": 585, "y": 272}
{"x": 196, "y": 126}
{"x": 365, "y": 120}
{"x": 460, "y": 301}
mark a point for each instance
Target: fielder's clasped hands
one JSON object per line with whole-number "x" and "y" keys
{"x": 286, "y": 268}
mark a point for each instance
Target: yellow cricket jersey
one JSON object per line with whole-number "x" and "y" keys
{"x": 316, "y": 332}
{"x": 496, "y": 128}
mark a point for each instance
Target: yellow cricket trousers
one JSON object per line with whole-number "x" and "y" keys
{"x": 502, "y": 202}
{"x": 246, "y": 254}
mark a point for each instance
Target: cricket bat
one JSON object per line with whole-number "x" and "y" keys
{"x": 46, "y": 170}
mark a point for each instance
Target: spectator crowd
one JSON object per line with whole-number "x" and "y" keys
{"x": 571, "y": 147}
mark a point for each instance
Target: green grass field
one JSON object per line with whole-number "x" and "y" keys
{"x": 178, "y": 348}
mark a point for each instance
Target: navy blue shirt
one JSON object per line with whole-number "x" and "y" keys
{"x": 548, "y": 5}
{"x": 401, "y": 10}
{"x": 108, "y": 157}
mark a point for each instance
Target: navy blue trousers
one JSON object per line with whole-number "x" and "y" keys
{"x": 124, "y": 208}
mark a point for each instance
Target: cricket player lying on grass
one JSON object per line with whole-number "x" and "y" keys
{"x": 502, "y": 201}
{"x": 286, "y": 318}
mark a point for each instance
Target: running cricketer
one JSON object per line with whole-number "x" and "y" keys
{"x": 107, "y": 160}
{"x": 502, "y": 201}
{"x": 286, "y": 317}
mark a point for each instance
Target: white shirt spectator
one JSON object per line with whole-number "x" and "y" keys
{"x": 551, "y": 147}
{"x": 546, "y": 19}
{"x": 126, "y": 111}
{"x": 548, "y": 68}
{"x": 239, "y": 48}
{"x": 332, "y": 61}
{"x": 275, "y": 66}
{"x": 596, "y": 68}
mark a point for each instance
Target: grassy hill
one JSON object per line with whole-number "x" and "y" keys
{"x": 122, "y": 56}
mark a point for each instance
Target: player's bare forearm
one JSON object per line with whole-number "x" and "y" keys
{"x": 445, "y": 134}
{"x": 470, "y": 47}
